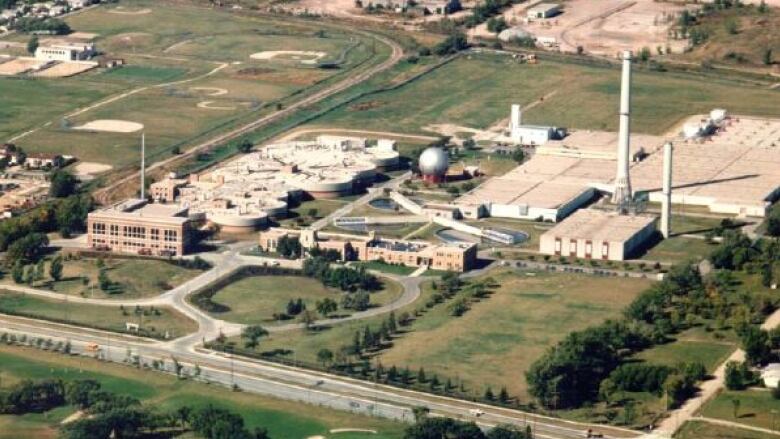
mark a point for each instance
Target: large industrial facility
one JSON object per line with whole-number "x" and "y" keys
{"x": 246, "y": 192}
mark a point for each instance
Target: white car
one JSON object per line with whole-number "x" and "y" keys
{"x": 476, "y": 412}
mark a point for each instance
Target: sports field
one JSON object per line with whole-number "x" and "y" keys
{"x": 496, "y": 340}
{"x": 190, "y": 77}
{"x": 255, "y": 299}
{"x": 477, "y": 91}
{"x": 284, "y": 420}
{"x": 155, "y": 320}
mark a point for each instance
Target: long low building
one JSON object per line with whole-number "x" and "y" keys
{"x": 450, "y": 257}
{"x": 597, "y": 234}
{"x": 733, "y": 170}
{"x": 138, "y": 227}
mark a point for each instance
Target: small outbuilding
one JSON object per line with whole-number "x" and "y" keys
{"x": 544, "y": 10}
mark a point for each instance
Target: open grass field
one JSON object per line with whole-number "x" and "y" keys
{"x": 755, "y": 408}
{"x": 284, "y": 420}
{"x": 80, "y": 278}
{"x": 679, "y": 249}
{"x": 709, "y": 353}
{"x": 189, "y": 77}
{"x": 255, "y": 299}
{"x": 494, "y": 342}
{"x": 704, "y": 430}
{"x": 498, "y": 339}
{"x": 478, "y": 90}
{"x": 159, "y": 321}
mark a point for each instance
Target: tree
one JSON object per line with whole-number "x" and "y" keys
{"x": 735, "y": 403}
{"x": 27, "y": 248}
{"x": 327, "y": 306}
{"x": 55, "y": 268}
{"x": 755, "y": 342}
{"x": 104, "y": 283}
{"x": 252, "y": 335}
{"x": 63, "y": 184}
{"x": 496, "y": 25}
{"x": 762, "y": 7}
{"x": 307, "y": 318}
{"x": 17, "y": 273}
{"x": 325, "y": 356}
{"x": 767, "y": 57}
{"x": 244, "y": 146}
{"x": 32, "y": 45}
{"x": 40, "y": 270}
{"x": 454, "y": 43}
{"x": 733, "y": 378}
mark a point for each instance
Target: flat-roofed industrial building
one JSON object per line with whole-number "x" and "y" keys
{"x": 598, "y": 234}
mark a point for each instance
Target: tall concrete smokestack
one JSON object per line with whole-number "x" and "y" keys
{"x": 666, "y": 202}
{"x": 622, "y": 194}
{"x": 516, "y": 119}
{"x": 143, "y": 166}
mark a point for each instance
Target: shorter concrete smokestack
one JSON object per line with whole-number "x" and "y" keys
{"x": 666, "y": 202}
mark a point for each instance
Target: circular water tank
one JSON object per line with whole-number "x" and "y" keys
{"x": 434, "y": 162}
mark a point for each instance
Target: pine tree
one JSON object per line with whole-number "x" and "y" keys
{"x": 421, "y": 376}
{"x": 29, "y": 275}
{"x": 503, "y": 395}
{"x": 392, "y": 325}
{"x": 55, "y": 268}
{"x": 356, "y": 346}
{"x": 17, "y": 273}
{"x": 40, "y": 270}
{"x": 489, "y": 394}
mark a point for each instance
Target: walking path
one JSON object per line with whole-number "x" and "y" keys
{"x": 709, "y": 388}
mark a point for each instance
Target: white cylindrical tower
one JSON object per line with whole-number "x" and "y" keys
{"x": 516, "y": 118}
{"x": 666, "y": 202}
{"x": 622, "y": 194}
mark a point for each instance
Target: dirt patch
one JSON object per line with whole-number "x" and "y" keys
{"x": 304, "y": 57}
{"x": 130, "y": 39}
{"x": 111, "y": 126}
{"x": 90, "y": 168}
{"x": 65, "y": 69}
{"x": 365, "y": 106}
{"x": 121, "y": 10}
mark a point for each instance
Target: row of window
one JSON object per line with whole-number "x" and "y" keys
{"x": 137, "y": 232}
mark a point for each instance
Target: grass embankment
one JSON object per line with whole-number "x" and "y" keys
{"x": 255, "y": 299}
{"x": 284, "y": 420}
{"x": 154, "y": 321}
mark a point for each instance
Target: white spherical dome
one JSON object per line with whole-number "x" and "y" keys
{"x": 434, "y": 161}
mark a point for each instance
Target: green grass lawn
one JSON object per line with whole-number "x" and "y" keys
{"x": 146, "y": 73}
{"x": 493, "y": 343}
{"x": 755, "y": 408}
{"x": 704, "y": 430}
{"x": 110, "y": 318}
{"x": 157, "y": 277}
{"x": 310, "y": 211}
{"x": 708, "y": 353}
{"x": 190, "y": 44}
{"x": 400, "y": 270}
{"x": 255, "y": 299}
{"x": 679, "y": 249}
{"x": 284, "y": 420}
{"x": 477, "y": 91}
